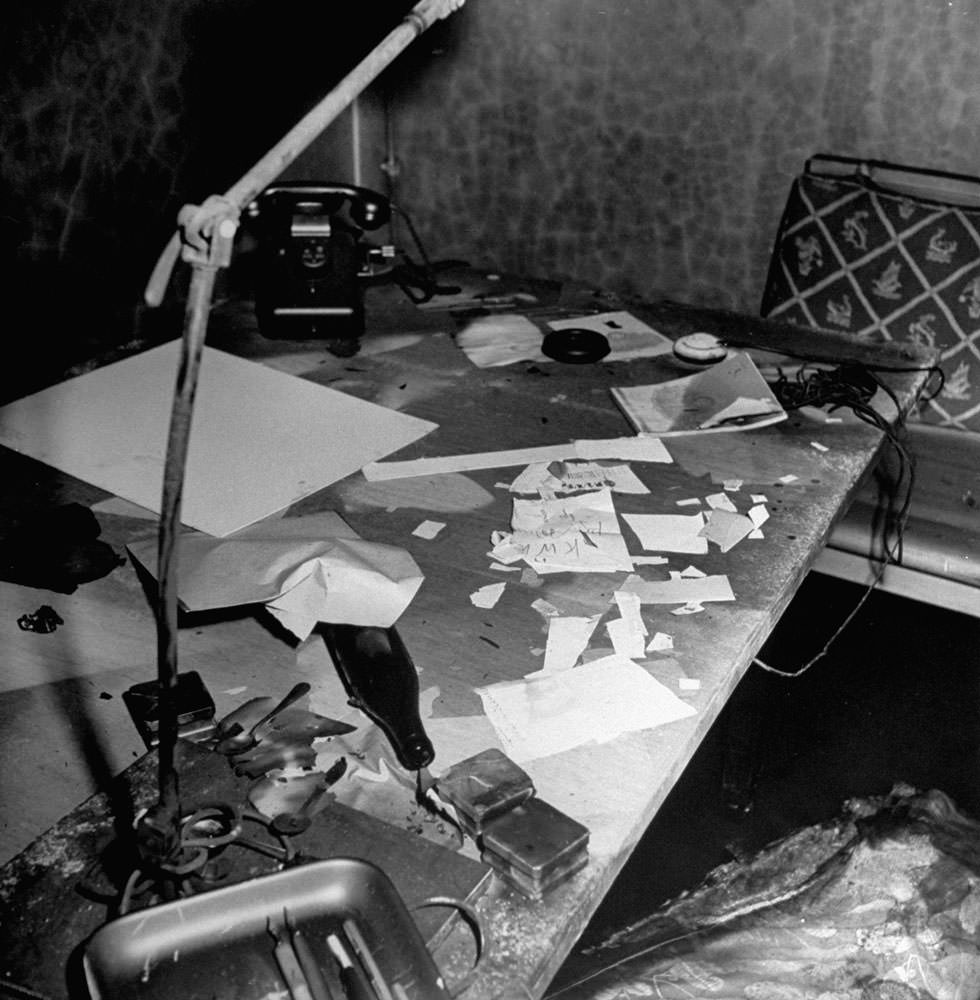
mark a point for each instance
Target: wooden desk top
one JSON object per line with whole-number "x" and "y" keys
{"x": 65, "y": 728}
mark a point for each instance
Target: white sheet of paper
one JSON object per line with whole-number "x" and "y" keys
{"x": 726, "y": 529}
{"x": 594, "y": 703}
{"x": 641, "y": 448}
{"x": 669, "y": 532}
{"x": 487, "y": 595}
{"x": 260, "y": 439}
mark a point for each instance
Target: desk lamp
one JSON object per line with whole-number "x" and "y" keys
{"x": 204, "y": 240}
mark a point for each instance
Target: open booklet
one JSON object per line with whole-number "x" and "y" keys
{"x": 730, "y": 396}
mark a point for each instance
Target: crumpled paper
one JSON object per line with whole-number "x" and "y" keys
{"x": 304, "y": 570}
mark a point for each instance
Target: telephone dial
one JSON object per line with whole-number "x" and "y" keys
{"x": 313, "y": 261}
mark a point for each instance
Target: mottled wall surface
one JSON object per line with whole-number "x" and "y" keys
{"x": 649, "y": 146}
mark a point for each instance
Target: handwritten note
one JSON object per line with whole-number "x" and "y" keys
{"x": 578, "y": 534}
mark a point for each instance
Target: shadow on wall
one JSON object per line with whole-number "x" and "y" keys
{"x": 113, "y": 116}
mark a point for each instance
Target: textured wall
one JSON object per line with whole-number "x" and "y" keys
{"x": 649, "y": 144}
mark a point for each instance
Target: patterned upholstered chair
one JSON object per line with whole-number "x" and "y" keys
{"x": 893, "y": 253}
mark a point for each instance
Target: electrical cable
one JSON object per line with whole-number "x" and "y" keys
{"x": 854, "y": 386}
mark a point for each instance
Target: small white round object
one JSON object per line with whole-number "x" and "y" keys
{"x": 700, "y": 348}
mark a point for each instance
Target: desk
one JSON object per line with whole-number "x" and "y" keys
{"x": 65, "y": 729}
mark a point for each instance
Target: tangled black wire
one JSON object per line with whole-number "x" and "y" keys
{"x": 854, "y": 386}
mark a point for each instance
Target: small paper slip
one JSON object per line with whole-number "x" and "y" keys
{"x": 726, "y": 529}
{"x": 567, "y": 639}
{"x": 593, "y": 703}
{"x": 729, "y": 396}
{"x": 683, "y": 590}
{"x": 576, "y": 477}
{"x": 669, "y": 532}
{"x": 260, "y": 439}
{"x": 578, "y": 533}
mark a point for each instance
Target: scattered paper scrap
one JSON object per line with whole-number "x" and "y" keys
{"x": 759, "y": 514}
{"x": 578, "y": 534}
{"x": 733, "y": 485}
{"x": 500, "y": 568}
{"x": 487, "y": 596}
{"x": 692, "y": 572}
{"x": 429, "y": 529}
{"x": 680, "y": 591}
{"x": 545, "y": 608}
{"x": 649, "y": 560}
{"x": 594, "y": 703}
{"x": 669, "y": 532}
{"x": 689, "y": 502}
{"x": 755, "y": 533}
{"x": 720, "y": 501}
{"x": 758, "y": 498}
{"x": 640, "y": 448}
{"x": 691, "y": 608}
{"x": 818, "y": 446}
{"x": 628, "y": 632}
{"x": 726, "y": 529}
{"x": 788, "y": 478}
{"x": 568, "y": 637}
{"x": 660, "y": 643}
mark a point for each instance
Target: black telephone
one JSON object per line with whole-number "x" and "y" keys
{"x": 312, "y": 260}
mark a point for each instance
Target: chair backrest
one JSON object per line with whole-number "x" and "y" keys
{"x": 889, "y": 253}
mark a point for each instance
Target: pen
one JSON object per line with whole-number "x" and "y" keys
{"x": 320, "y": 989}
{"x": 289, "y": 965}
{"x": 361, "y": 950}
{"x": 355, "y": 982}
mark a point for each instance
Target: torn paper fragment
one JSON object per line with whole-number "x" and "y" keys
{"x": 545, "y": 608}
{"x": 758, "y": 514}
{"x": 788, "y": 478}
{"x": 726, "y": 529}
{"x": 744, "y": 409}
{"x": 500, "y": 339}
{"x": 682, "y": 590}
{"x": 758, "y": 498}
{"x": 649, "y": 560}
{"x": 639, "y": 448}
{"x": 500, "y": 568}
{"x": 755, "y": 533}
{"x": 568, "y": 637}
{"x": 487, "y": 596}
{"x": 733, "y": 485}
{"x": 669, "y": 532}
{"x": 691, "y": 608}
{"x": 625, "y": 638}
{"x": 629, "y": 608}
{"x": 660, "y": 643}
{"x": 594, "y": 703}
{"x": 689, "y": 502}
{"x": 429, "y": 529}
{"x": 578, "y": 534}
{"x": 720, "y": 501}
{"x": 818, "y": 446}
{"x": 693, "y": 572}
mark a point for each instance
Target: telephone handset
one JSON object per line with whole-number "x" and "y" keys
{"x": 367, "y": 209}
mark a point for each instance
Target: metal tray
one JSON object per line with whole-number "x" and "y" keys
{"x": 217, "y": 945}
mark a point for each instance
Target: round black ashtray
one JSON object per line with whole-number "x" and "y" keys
{"x": 575, "y": 346}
